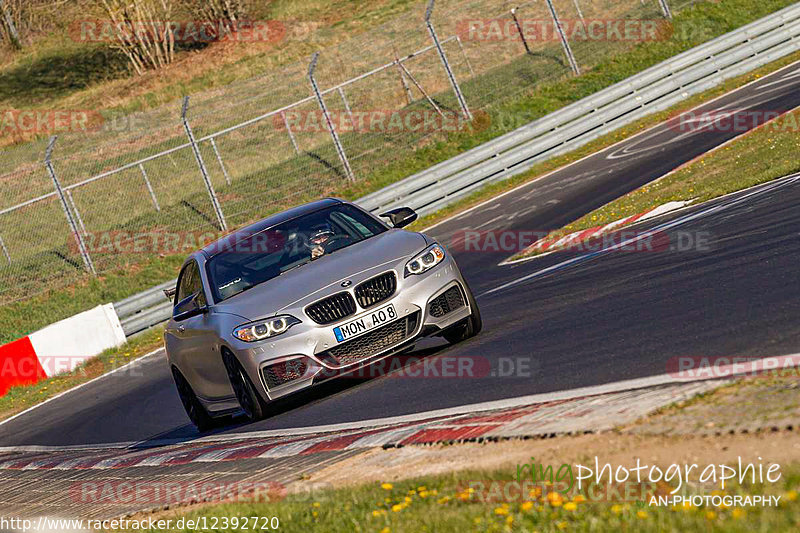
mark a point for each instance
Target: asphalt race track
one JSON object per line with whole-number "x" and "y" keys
{"x": 592, "y": 319}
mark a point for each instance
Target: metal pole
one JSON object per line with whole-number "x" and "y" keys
{"x": 665, "y": 9}
{"x": 453, "y": 81}
{"x": 336, "y": 142}
{"x": 403, "y": 80}
{"x": 563, "y": 37}
{"x": 87, "y": 260}
{"x": 77, "y": 213}
{"x": 149, "y": 188}
{"x": 219, "y": 160}
{"x": 519, "y": 29}
{"x": 578, "y": 9}
{"x": 347, "y": 108}
{"x": 199, "y": 157}
{"x": 464, "y": 54}
{"x": 419, "y": 87}
{"x": 5, "y": 250}
{"x": 291, "y": 133}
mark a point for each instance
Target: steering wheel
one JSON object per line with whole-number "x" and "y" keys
{"x": 328, "y": 245}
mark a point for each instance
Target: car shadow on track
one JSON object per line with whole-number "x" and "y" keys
{"x": 237, "y": 424}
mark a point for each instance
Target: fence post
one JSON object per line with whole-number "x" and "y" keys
{"x": 5, "y": 250}
{"x": 291, "y": 133}
{"x": 87, "y": 260}
{"x": 403, "y": 81}
{"x": 223, "y": 225}
{"x": 519, "y": 29}
{"x": 464, "y": 55}
{"x": 453, "y": 81}
{"x": 336, "y": 142}
{"x": 75, "y": 210}
{"x": 149, "y": 188}
{"x": 219, "y": 160}
{"x": 563, "y": 38}
{"x": 347, "y": 107}
{"x": 578, "y": 9}
{"x": 665, "y": 9}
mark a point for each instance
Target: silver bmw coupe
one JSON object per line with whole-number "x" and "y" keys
{"x": 303, "y": 296}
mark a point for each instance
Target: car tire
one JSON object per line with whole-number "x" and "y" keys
{"x": 467, "y": 328}
{"x": 194, "y": 409}
{"x": 251, "y": 403}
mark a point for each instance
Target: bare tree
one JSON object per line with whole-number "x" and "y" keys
{"x": 143, "y": 31}
{"x": 219, "y": 13}
{"x": 10, "y": 21}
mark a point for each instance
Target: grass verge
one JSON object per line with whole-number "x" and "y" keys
{"x": 445, "y": 503}
{"x": 20, "y": 398}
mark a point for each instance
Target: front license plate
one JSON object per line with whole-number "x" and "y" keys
{"x": 356, "y": 327}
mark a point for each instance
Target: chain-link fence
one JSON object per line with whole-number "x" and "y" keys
{"x": 164, "y": 180}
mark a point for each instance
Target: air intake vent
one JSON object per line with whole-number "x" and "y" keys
{"x": 451, "y": 300}
{"x": 332, "y": 309}
{"x": 282, "y": 373}
{"x": 376, "y": 290}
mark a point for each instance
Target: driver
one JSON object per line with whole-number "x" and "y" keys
{"x": 319, "y": 236}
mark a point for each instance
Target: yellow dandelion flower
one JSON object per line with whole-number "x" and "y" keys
{"x": 386, "y": 530}
{"x": 570, "y": 506}
{"x": 738, "y": 513}
{"x": 376, "y": 513}
{"x": 423, "y": 488}
{"x": 710, "y": 515}
{"x": 641, "y": 514}
{"x": 316, "y": 514}
{"x": 387, "y": 486}
{"x": 316, "y": 504}
{"x": 526, "y": 506}
{"x": 561, "y": 525}
{"x": 423, "y": 494}
{"x": 791, "y": 495}
{"x": 444, "y": 499}
{"x": 616, "y": 508}
{"x": 500, "y": 510}
{"x": 396, "y": 508}
{"x": 579, "y": 498}
{"x": 510, "y": 519}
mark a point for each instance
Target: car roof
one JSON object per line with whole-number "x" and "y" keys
{"x": 215, "y": 247}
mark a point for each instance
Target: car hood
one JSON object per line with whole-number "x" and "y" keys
{"x": 324, "y": 276}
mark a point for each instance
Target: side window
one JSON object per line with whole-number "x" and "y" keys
{"x": 189, "y": 284}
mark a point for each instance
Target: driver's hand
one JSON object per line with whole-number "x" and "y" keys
{"x": 317, "y": 252}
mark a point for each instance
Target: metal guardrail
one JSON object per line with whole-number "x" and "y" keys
{"x": 571, "y": 127}
{"x": 652, "y": 90}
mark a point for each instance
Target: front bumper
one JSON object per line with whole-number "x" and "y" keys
{"x": 309, "y": 353}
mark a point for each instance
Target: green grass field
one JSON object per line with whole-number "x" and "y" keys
{"x": 445, "y": 504}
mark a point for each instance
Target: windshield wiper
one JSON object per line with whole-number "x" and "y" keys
{"x": 296, "y": 266}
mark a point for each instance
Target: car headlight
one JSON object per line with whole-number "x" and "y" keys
{"x": 265, "y": 329}
{"x": 425, "y": 261}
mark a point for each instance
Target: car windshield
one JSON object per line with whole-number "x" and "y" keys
{"x": 244, "y": 264}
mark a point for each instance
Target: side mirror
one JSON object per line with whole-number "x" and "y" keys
{"x": 189, "y": 308}
{"x": 401, "y": 217}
